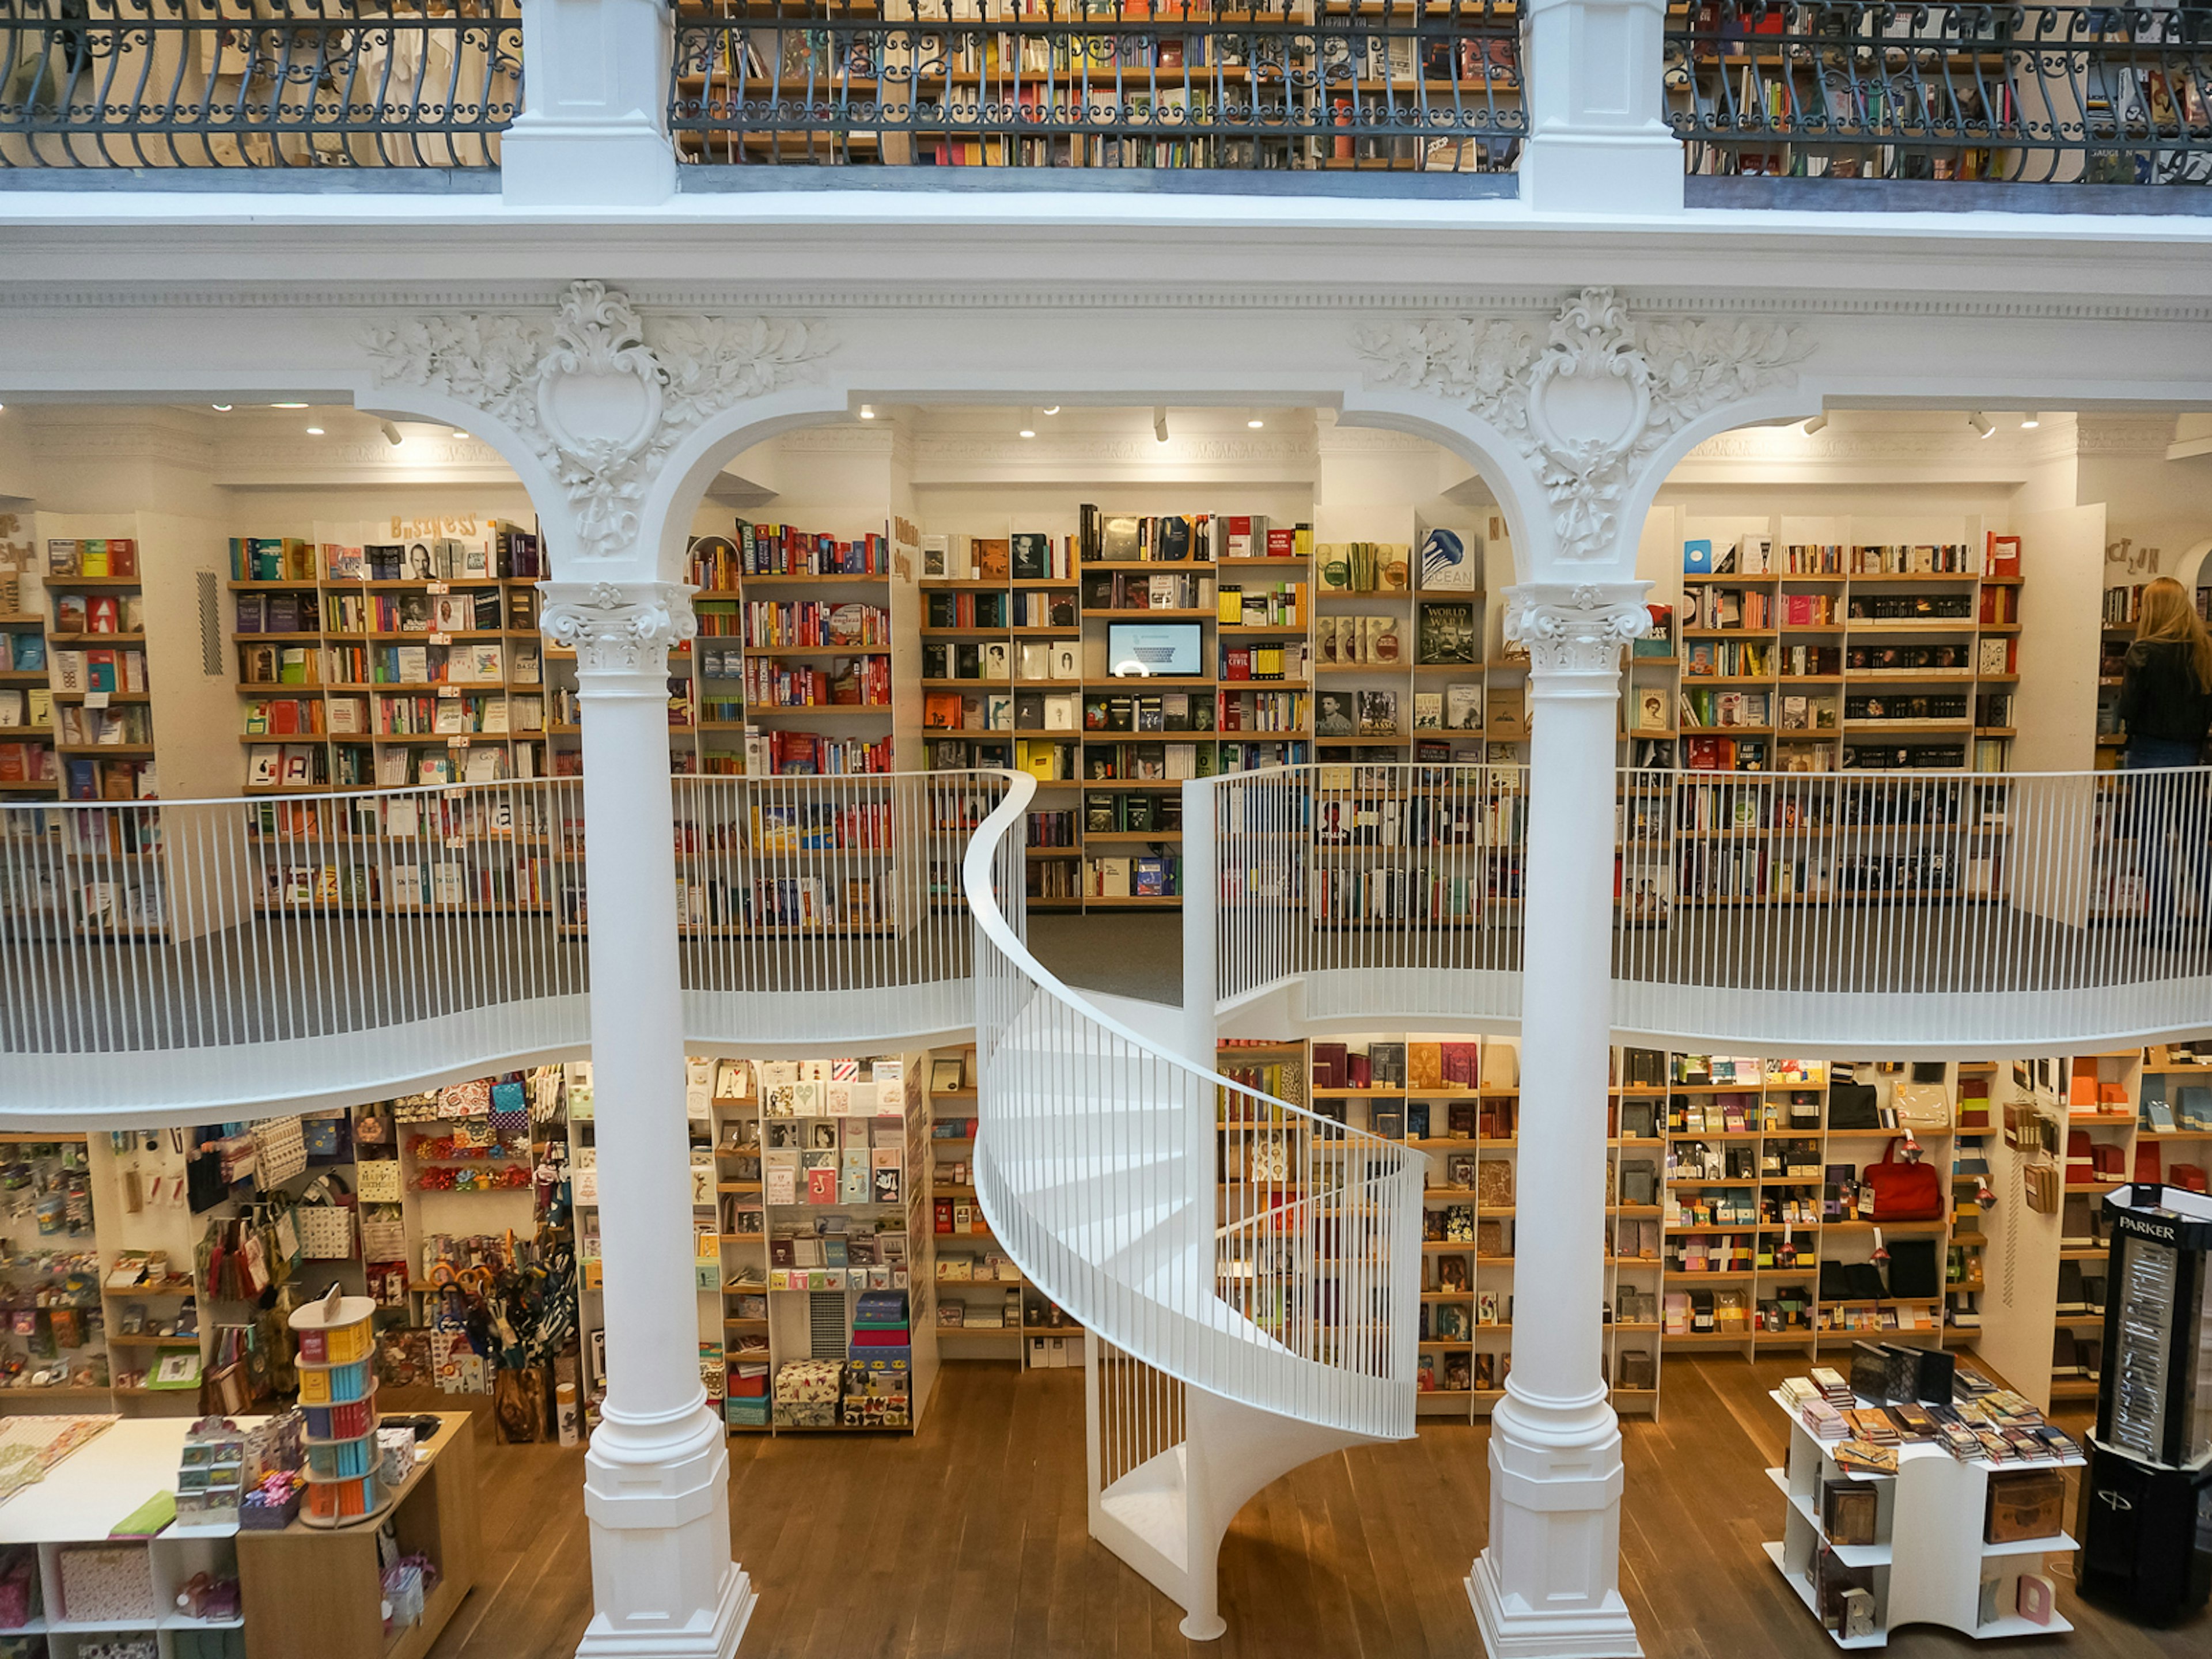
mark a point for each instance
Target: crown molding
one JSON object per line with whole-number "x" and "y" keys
{"x": 1114, "y": 457}
{"x": 260, "y": 460}
{"x": 1337, "y": 438}
{"x": 121, "y": 436}
{"x": 873, "y": 439}
{"x": 2148, "y": 435}
{"x": 798, "y": 297}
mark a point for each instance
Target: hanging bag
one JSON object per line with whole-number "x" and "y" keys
{"x": 280, "y": 1152}
{"x": 383, "y": 1233}
{"x": 1920, "y": 1105}
{"x": 1903, "y": 1191}
{"x": 1850, "y": 1103}
{"x": 325, "y": 1219}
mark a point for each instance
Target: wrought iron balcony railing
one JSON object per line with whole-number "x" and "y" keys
{"x": 2024, "y": 94}
{"x": 258, "y": 83}
{"x": 1401, "y": 85}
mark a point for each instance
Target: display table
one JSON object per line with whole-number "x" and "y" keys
{"x": 315, "y": 1590}
{"x": 302, "y": 1591}
{"x": 1928, "y": 1559}
{"x": 82, "y": 1499}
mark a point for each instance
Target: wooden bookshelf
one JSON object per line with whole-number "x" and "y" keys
{"x": 795, "y": 647}
{"x": 1001, "y": 664}
{"x": 1786, "y": 660}
{"x": 28, "y": 769}
{"x": 1469, "y": 1215}
{"x": 763, "y": 1303}
{"x": 332, "y": 692}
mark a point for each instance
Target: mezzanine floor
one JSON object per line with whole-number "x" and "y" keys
{"x": 969, "y": 1540}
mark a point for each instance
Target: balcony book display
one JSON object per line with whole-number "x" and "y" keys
{"x": 381, "y": 655}
{"x": 1818, "y": 644}
{"x": 1115, "y": 662}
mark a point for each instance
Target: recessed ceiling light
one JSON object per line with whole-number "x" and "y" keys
{"x": 2030, "y": 420}
{"x": 225, "y": 408}
{"x": 288, "y": 405}
{"x": 867, "y": 411}
{"x": 314, "y": 432}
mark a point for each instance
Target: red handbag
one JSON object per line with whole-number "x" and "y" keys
{"x": 1903, "y": 1191}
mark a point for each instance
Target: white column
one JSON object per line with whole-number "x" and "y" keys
{"x": 656, "y": 1482}
{"x": 1547, "y": 1584}
{"x": 594, "y": 131}
{"x": 1599, "y": 141}
{"x": 1198, "y": 1040}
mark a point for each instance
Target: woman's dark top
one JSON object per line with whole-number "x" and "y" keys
{"x": 2159, "y": 696}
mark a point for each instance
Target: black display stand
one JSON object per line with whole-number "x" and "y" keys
{"x": 2145, "y": 1505}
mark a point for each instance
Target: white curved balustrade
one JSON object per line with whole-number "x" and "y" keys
{"x": 1232, "y": 1241}
{"x": 1941, "y": 911}
{"x": 1812, "y": 913}
{"x": 168, "y": 960}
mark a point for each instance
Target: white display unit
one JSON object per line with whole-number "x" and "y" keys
{"x": 1929, "y": 1556}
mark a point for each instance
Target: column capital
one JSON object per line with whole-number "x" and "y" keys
{"x": 618, "y": 628}
{"x": 1576, "y": 627}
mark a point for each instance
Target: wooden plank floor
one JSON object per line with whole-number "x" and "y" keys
{"x": 967, "y": 1542}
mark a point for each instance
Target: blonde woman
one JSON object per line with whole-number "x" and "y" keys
{"x": 2165, "y": 704}
{"x": 2165, "y": 693}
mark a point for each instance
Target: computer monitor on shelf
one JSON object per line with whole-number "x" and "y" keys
{"x": 1151, "y": 650}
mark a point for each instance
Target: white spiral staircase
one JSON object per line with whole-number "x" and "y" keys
{"x": 1249, "y": 1272}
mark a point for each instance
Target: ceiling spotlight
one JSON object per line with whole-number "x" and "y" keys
{"x": 288, "y": 405}
{"x": 392, "y": 435}
{"x": 1815, "y": 423}
{"x": 223, "y": 408}
{"x": 1055, "y": 410}
{"x": 314, "y": 432}
{"x": 1255, "y": 423}
{"x": 1029, "y": 424}
{"x": 867, "y": 411}
{"x": 1980, "y": 423}
{"x": 458, "y": 432}
{"x": 1160, "y": 421}
{"x": 2030, "y": 420}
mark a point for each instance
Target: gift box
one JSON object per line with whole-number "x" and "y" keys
{"x": 105, "y": 1584}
